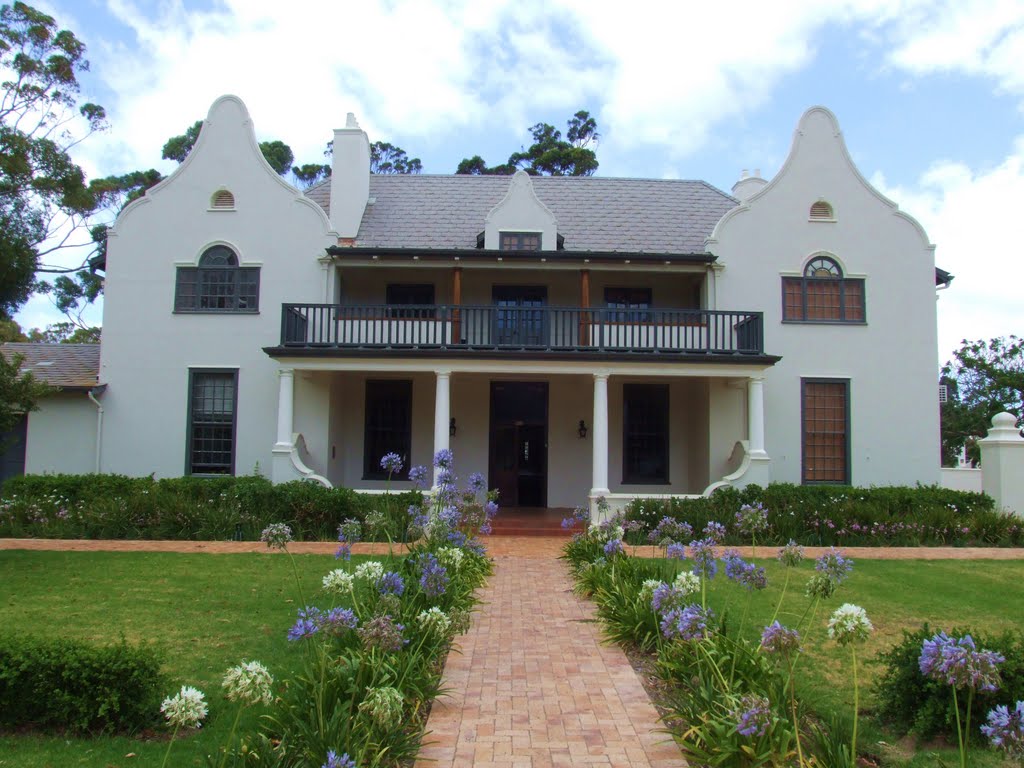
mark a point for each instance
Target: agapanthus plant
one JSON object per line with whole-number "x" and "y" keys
{"x": 185, "y": 709}
{"x": 687, "y": 623}
{"x": 848, "y": 626}
{"x": 249, "y": 683}
{"x": 384, "y": 706}
{"x": 958, "y": 663}
{"x": 752, "y": 519}
{"x": 1004, "y": 729}
{"x": 453, "y": 517}
{"x": 334, "y": 760}
{"x": 752, "y": 716}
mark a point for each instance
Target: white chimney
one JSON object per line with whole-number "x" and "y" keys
{"x": 748, "y": 185}
{"x": 350, "y": 177}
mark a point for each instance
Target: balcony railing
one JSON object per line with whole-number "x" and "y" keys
{"x": 519, "y": 328}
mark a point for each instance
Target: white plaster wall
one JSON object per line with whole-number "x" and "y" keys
{"x": 312, "y": 417}
{"x": 727, "y": 416}
{"x": 891, "y": 361}
{"x": 62, "y": 435}
{"x": 956, "y": 479}
{"x": 521, "y": 211}
{"x": 148, "y": 350}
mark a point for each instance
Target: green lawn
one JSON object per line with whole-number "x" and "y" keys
{"x": 897, "y": 595}
{"x": 204, "y": 612}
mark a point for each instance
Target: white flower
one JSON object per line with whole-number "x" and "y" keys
{"x": 688, "y": 582}
{"x": 371, "y": 570}
{"x": 185, "y": 709}
{"x": 384, "y": 705}
{"x": 435, "y": 621}
{"x": 647, "y": 589}
{"x": 848, "y": 624}
{"x": 450, "y": 557}
{"x": 338, "y": 581}
{"x": 250, "y": 682}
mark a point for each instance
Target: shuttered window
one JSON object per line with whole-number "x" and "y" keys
{"x": 826, "y": 431}
{"x": 218, "y": 284}
{"x": 645, "y": 433}
{"x": 823, "y": 295}
{"x": 212, "y": 408}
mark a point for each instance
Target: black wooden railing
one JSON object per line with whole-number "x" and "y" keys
{"x": 540, "y": 328}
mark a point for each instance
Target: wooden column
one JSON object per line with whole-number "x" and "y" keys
{"x": 456, "y": 301}
{"x": 585, "y": 304}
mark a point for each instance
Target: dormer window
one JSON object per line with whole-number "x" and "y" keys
{"x": 822, "y": 211}
{"x": 520, "y": 241}
{"x": 217, "y": 284}
{"x": 822, "y": 295}
{"x": 222, "y": 200}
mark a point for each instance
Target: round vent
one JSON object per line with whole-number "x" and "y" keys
{"x": 822, "y": 210}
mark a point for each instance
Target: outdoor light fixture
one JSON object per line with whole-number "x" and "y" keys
{"x": 451, "y": 427}
{"x": 582, "y": 430}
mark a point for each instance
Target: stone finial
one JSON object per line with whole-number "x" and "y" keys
{"x": 1004, "y": 427}
{"x": 350, "y": 120}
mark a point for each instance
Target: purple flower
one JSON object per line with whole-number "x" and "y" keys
{"x": 665, "y": 598}
{"x": 308, "y": 623}
{"x": 676, "y": 551}
{"x": 420, "y": 476}
{"x": 336, "y": 761}
{"x": 613, "y": 547}
{"x": 338, "y": 620}
{"x": 791, "y": 555}
{"x": 752, "y": 518}
{"x": 703, "y": 554}
{"x": 382, "y": 632}
{"x": 834, "y": 566}
{"x": 491, "y": 508}
{"x": 391, "y": 463}
{"x": 671, "y": 530}
{"x": 344, "y": 551}
{"x": 1005, "y": 729}
{"x": 434, "y": 576}
{"x": 689, "y": 623}
{"x": 715, "y": 532}
{"x": 477, "y": 483}
{"x": 391, "y": 583}
{"x": 778, "y": 640}
{"x": 734, "y": 564}
{"x": 445, "y": 478}
{"x": 450, "y": 516}
{"x": 443, "y": 459}
{"x": 753, "y": 716}
{"x": 958, "y": 662}
{"x": 457, "y": 538}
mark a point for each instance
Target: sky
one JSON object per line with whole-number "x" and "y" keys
{"x": 929, "y": 95}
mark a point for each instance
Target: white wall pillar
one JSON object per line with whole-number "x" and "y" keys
{"x": 285, "y": 407}
{"x": 755, "y": 415}
{"x": 599, "y": 485}
{"x": 1002, "y": 463}
{"x": 442, "y": 411}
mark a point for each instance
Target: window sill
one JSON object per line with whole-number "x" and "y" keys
{"x": 215, "y": 311}
{"x": 638, "y": 481}
{"x": 824, "y": 322}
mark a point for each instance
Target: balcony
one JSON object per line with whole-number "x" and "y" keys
{"x": 539, "y": 329}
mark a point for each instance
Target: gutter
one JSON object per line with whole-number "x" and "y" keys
{"x": 98, "y": 390}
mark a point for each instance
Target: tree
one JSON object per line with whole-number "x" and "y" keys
{"x": 43, "y": 194}
{"x": 982, "y": 379}
{"x": 309, "y": 174}
{"x": 388, "y": 159}
{"x": 65, "y": 333}
{"x": 549, "y": 154}
{"x": 19, "y": 392}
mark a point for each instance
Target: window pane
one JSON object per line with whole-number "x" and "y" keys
{"x": 854, "y": 296}
{"x": 388, "y": 425}
{"x": 520, "y": 241}
{"x": 823, "y": 299}
{"x": 422, "y": 295}
{"x": 645, "y": 433}
{"x": 792, "y": 299}
{"x": 212, "y": 423}
{"x": 185, "y": 288}
{"x": 825, "y": 439}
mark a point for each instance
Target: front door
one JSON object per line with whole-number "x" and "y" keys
{"x": 519, "y": 318}
{"x": 519, "y": 447}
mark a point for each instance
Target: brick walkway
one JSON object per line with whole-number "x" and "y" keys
{"x": 532, "y": 685}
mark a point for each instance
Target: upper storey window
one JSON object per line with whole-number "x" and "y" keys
{"x": 218, "y": 284}
{"x": 520, "y": 241}
{"x": 823, "y": 295}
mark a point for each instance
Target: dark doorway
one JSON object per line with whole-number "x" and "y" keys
{"x": 12, "y": 449}
{"x": 519, "y": 317}
{"x": 519, "y": 442}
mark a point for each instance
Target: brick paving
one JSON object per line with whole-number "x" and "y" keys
{"x": 532, "y": 685}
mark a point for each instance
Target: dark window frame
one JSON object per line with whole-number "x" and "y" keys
{"x": 632, "y": 306}
{"x": 217, "y": 288}
{"x": 406, "y": 293}
{"x": 804, "y": 433}
{"x": 650, "y": 395}
{"x": 380, "y": 389}
{"x": 190, "y": 452}
{"x": 519, "y": 239}
{"x": 849, "y": 312}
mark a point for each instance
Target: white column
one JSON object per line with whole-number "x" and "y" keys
{"x": 285, "y": 407}
{"x": 755, "y": 415}
{"x": 442, "y": 411}
{"x": 599, "y": 486}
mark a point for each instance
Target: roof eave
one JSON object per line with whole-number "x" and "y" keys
{"x": 482, "y": 254}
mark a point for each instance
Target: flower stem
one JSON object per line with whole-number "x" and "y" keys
{"x": 778, "y": 605}
{"x": 231, "y": 736}
{"x": 298, "y": 584}
{"x": 169, "y": 745}
{"x": 791, "y": 683}
{"x": 959, "y": 731}
{"x": 856, "y": 707}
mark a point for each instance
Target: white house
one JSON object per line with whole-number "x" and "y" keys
{"x": 567, "y": 337}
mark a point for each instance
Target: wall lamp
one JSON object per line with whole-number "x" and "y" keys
{"x": 582, "y": 430}
{"x": 452, "y": 429}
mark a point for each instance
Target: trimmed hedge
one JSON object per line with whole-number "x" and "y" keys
{"x": 820, "y": 515}
{"x": 70, "y": 686}
{"x": 120, "y": 507}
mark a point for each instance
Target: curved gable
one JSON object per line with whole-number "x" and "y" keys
{"x": 520, "y": 210}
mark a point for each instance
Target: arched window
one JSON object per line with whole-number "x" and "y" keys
{"x": 222, "y": 199}
{"x": 822, "y": 210}
{"x": 822, "y": 295}
{"x": 217, "y": 284}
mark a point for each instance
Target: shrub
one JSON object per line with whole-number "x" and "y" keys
{"x": 65, "y": 685}
{"x": 844, "y": 516}
{"x": 116, "y": 507}
{"x": 913, "y": 702}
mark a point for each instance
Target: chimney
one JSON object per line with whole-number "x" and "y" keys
{"x": 748, "y": 185}
{"x": 350, "y": 177}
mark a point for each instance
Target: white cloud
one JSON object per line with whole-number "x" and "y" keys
{"x": 974, "y": 219}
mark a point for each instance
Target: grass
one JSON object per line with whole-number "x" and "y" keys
{"x": 897, "y": 595}
{"x": 205, "y": 613}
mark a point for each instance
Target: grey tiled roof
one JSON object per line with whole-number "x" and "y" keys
{"x": 72, "y": 366}
{"x": 594, "y": 214}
